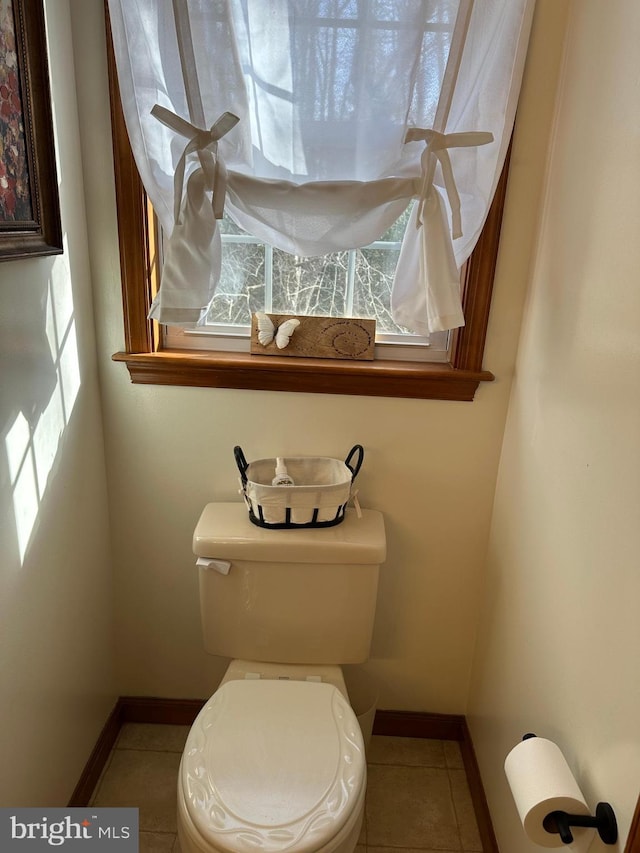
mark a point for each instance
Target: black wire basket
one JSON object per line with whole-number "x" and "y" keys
{"x": 319, "y": 497}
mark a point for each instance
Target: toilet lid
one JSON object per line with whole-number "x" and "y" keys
{"x": 272, "y": 764}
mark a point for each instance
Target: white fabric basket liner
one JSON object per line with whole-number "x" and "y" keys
{"x": 321, "y": 483}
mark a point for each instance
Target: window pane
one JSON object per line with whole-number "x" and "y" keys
{"x": 241, "y": 289}
{"x": 311, "y": 286}
{"x": 372, "y": 296}
{"x": 354, "y": 283}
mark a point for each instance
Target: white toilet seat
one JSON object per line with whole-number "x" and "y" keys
{"x": 273, "y": 765}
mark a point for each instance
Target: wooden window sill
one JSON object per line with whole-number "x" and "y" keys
{"x": 314, "y": 375}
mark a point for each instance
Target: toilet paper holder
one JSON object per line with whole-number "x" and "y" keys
{"x": 561, "y": 822}
{"x": 604, "y": 821}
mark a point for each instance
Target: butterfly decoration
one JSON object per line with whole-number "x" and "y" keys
{"x": 268, "y": 331}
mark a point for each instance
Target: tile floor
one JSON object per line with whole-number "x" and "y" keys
{"x": 417, "y": 793}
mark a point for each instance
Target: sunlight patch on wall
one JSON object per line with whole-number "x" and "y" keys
{"x": 33, "y": 440}
{"x": 23, "y": 480}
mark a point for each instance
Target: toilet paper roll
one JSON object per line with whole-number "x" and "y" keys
{"x": 541, "y": 782}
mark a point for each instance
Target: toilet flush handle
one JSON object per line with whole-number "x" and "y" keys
{"x": 221, "y": 566}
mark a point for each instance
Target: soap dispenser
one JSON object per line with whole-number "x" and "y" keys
{"x": 282, "y": 477}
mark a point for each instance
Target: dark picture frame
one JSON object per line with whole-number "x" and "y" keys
{"x": 29, "y": 203}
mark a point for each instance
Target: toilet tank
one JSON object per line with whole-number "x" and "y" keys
{"x": 289, "y": 596}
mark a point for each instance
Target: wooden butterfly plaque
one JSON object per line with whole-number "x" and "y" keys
{"x": 312, "y": 337}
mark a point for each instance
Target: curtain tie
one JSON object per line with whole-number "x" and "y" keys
{"x": 437, "y": 145}
{"x": 205, "y": 142}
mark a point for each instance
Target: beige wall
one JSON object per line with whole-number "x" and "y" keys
{"x": 560, "y": 634}
{"x": 430, "y": 466}
{"x": 56, "y": 653}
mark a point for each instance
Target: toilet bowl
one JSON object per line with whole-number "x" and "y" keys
{"x": 275, "y": 761}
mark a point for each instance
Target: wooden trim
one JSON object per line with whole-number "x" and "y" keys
{"x": 478, "y": 797}
{"x": 479, "y": 273}
{"x": 149, "y": 709}
{"x": 136, "y": 265}
{"x": 148, "y": 363}
{"x": 98, "y": 758}
{"x": 321, "y": 376}
{"x": 418, "y": 724}
{"x": 633, "y": 839}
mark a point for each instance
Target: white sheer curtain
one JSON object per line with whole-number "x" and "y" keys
{"x": 314, "y": 123}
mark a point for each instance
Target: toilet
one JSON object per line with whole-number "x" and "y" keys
{"x": 275, "y": 761}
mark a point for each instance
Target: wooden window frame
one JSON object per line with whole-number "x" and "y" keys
{"x": 150, "y": 363}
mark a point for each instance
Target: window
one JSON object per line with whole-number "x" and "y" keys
{"x": 152, "y": 360}
{"x": 353, "y": 283}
